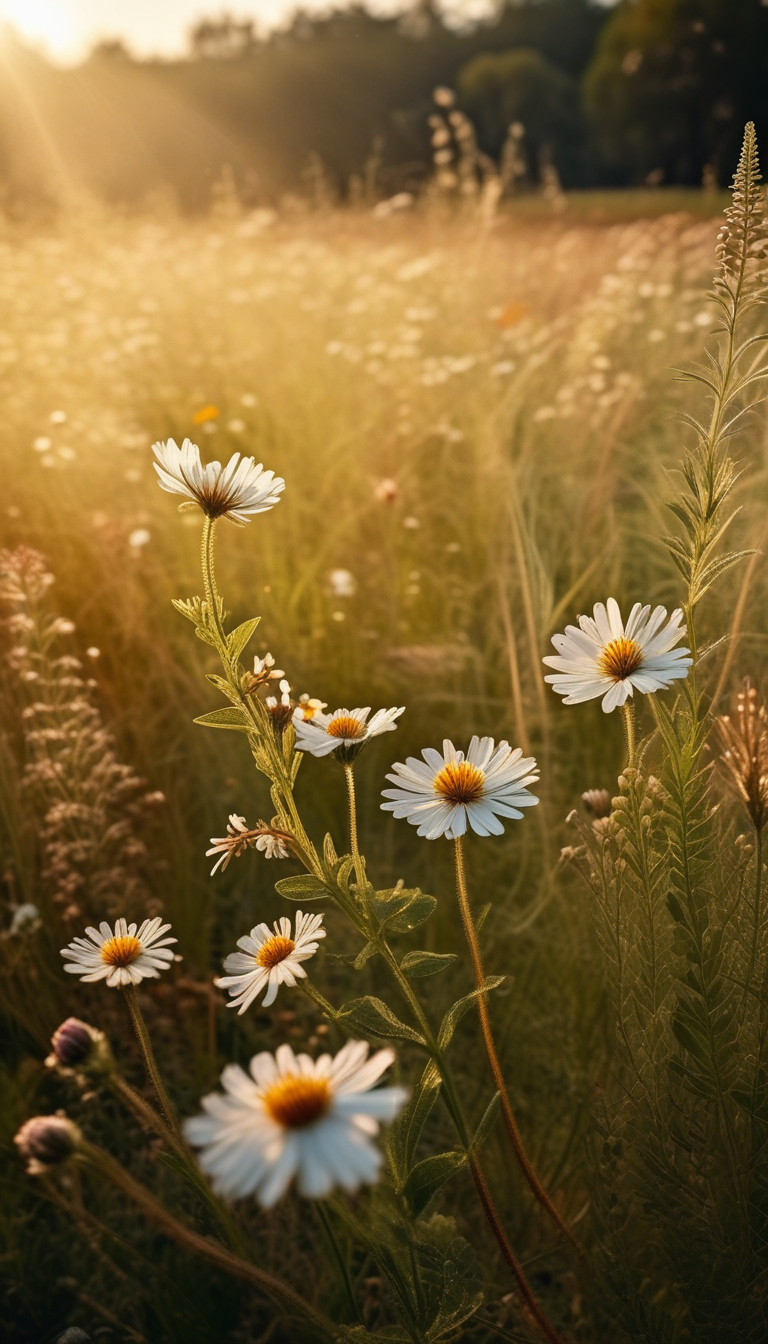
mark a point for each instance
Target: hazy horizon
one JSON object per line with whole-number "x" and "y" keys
{"x": 67, "y": 30}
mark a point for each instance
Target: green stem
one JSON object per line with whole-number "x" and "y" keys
{"x": 628, "y": 713}
{"x": 209, "y": 583}
{"x": 357, "y": 859}
{"x": 210, "y": 1250}
{"x": 190, "y": 1170}
{"x": 140, "y": 1027}
{"x": 340, "y": 1259}
{"x": 515, "y": 1136}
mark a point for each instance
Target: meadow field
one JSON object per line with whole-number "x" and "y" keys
{"x": 479, "y": 422}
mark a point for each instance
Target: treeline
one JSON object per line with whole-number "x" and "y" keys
{"x": 651, "y": 90}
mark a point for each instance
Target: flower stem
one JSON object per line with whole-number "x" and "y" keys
{"x": 628, "y": 712}
{"x": 210, "y": 1250}
{"x": 340, "y": 1259}
{"x": 490, "y": 1049}
{"x": 526, "y": 1292}
{"x": 358, "y": 862}
{"x": 142, "y": 1035}
{"x": 209, "y": 581}
{"x": 190, "y": 1170}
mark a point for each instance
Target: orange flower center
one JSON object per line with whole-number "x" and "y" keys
{"x": 459, "y": 782}
{"x": 273, "y": 951}
{"x": 296, "y": 1102}
{"x": 346, "y": 726}
{"x": 120, "y": 951}
{"x": 620, "y": 658}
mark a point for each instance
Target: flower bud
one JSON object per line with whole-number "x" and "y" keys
{"x": 597, "y": 802}
{"x": 76, "y": 1045}
{"x": 45, "y": 1141}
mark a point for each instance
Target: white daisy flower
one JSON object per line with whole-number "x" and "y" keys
{"x": 604, "y": 657}
{"x": 295, "y": 1116}
{"x": 125, "y": 957}
{"x": 345, "y": 732}
{"x": 269, "y": 960}
{"x": 236, "y": 491}
{"x": 442, "y": 793}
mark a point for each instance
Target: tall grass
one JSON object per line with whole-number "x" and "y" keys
{"x": 479, "y": 425}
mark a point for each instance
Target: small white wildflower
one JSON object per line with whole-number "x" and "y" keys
{"x": 270, "y": 959}
{"x": 236, "y": 491}
{"x": 125, "y": 957}
{"x": 295, "y": 1116}
{"x": 442, "y": 793}
{"x": 343, "y": 733}
{"x": 139, "y": 538}
{"x": 604, "y": 657}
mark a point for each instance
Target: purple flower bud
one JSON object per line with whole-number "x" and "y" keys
{"x": 72, "y": 1042}
{"x": 45, "y": 1141}
{"x": 76, "y": 1045}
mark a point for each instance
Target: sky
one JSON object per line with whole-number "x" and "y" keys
{"x": 67, "y": 29}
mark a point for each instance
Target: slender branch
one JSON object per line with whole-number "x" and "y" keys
{"x": 209, "y": 581}
{"x": 140, "y": 1027}
{"x": 210, "y": 1250}
{"x": 518, "y": 1147}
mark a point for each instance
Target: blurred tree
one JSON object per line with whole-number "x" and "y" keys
{"x": 672, "y": 84}
{"x": 223, "y": 39}
{"x": 498, "y": 89}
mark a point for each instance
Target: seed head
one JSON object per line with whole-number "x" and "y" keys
{"x": 744, "y": 753}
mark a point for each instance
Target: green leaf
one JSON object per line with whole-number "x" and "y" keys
{"x": 417, "y": 964}
{"x": 365, "y": 955}
{"x": 228, "y": 717}
{"x": 487, "y": 1122}
{"x": 237, "y": 640}
{"x": 456, "y": 1012}
{"x": 373, "y": 1017}
{"x": 405, "y": 1132}
{"x": 305, "y": 887}
{"x": 401, "y": 910}
{"x": 428, "y": 1176}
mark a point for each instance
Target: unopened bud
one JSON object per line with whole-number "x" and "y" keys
{"x": 45, "y": 1141}
{"x": 76, "y": 1045}
{"x": 597, "y": 802}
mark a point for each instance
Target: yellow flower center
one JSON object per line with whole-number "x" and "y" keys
{"x": 346, "y": 726}
{"x": 620, "y": 658}
{"x": 296, "y": 1102}
{"x": 459, "y": 782}
{"x": 120, "y": 951}
{"x": 273, "y": 951}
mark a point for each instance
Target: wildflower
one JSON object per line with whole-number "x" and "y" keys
{"x": 45, "y": 1141}
{"x": 125, "y": 957}
{"x": 603, "y": 657}
{"x": 308, "y": 707}
{"x": 597, "y": 803}
{"x": 264, "y": 670}
{"x": 343, "y": 733}
{"x": 295, "y": 1116}
{"x": 386, "y": 490}
{"x": 139, "y": 538}
{"x": 281, "y": 709}
{"x": 269, "y": 960}
{"x": 442, "y": 793}
{"x": 26, "y": 918}
{"x": 236, "y": 491}
{"x": 745, "y": 753}
{"x": 77, "y": 1044}
{"x": 342, "y": 582}
{"x": 240, "y": 837}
